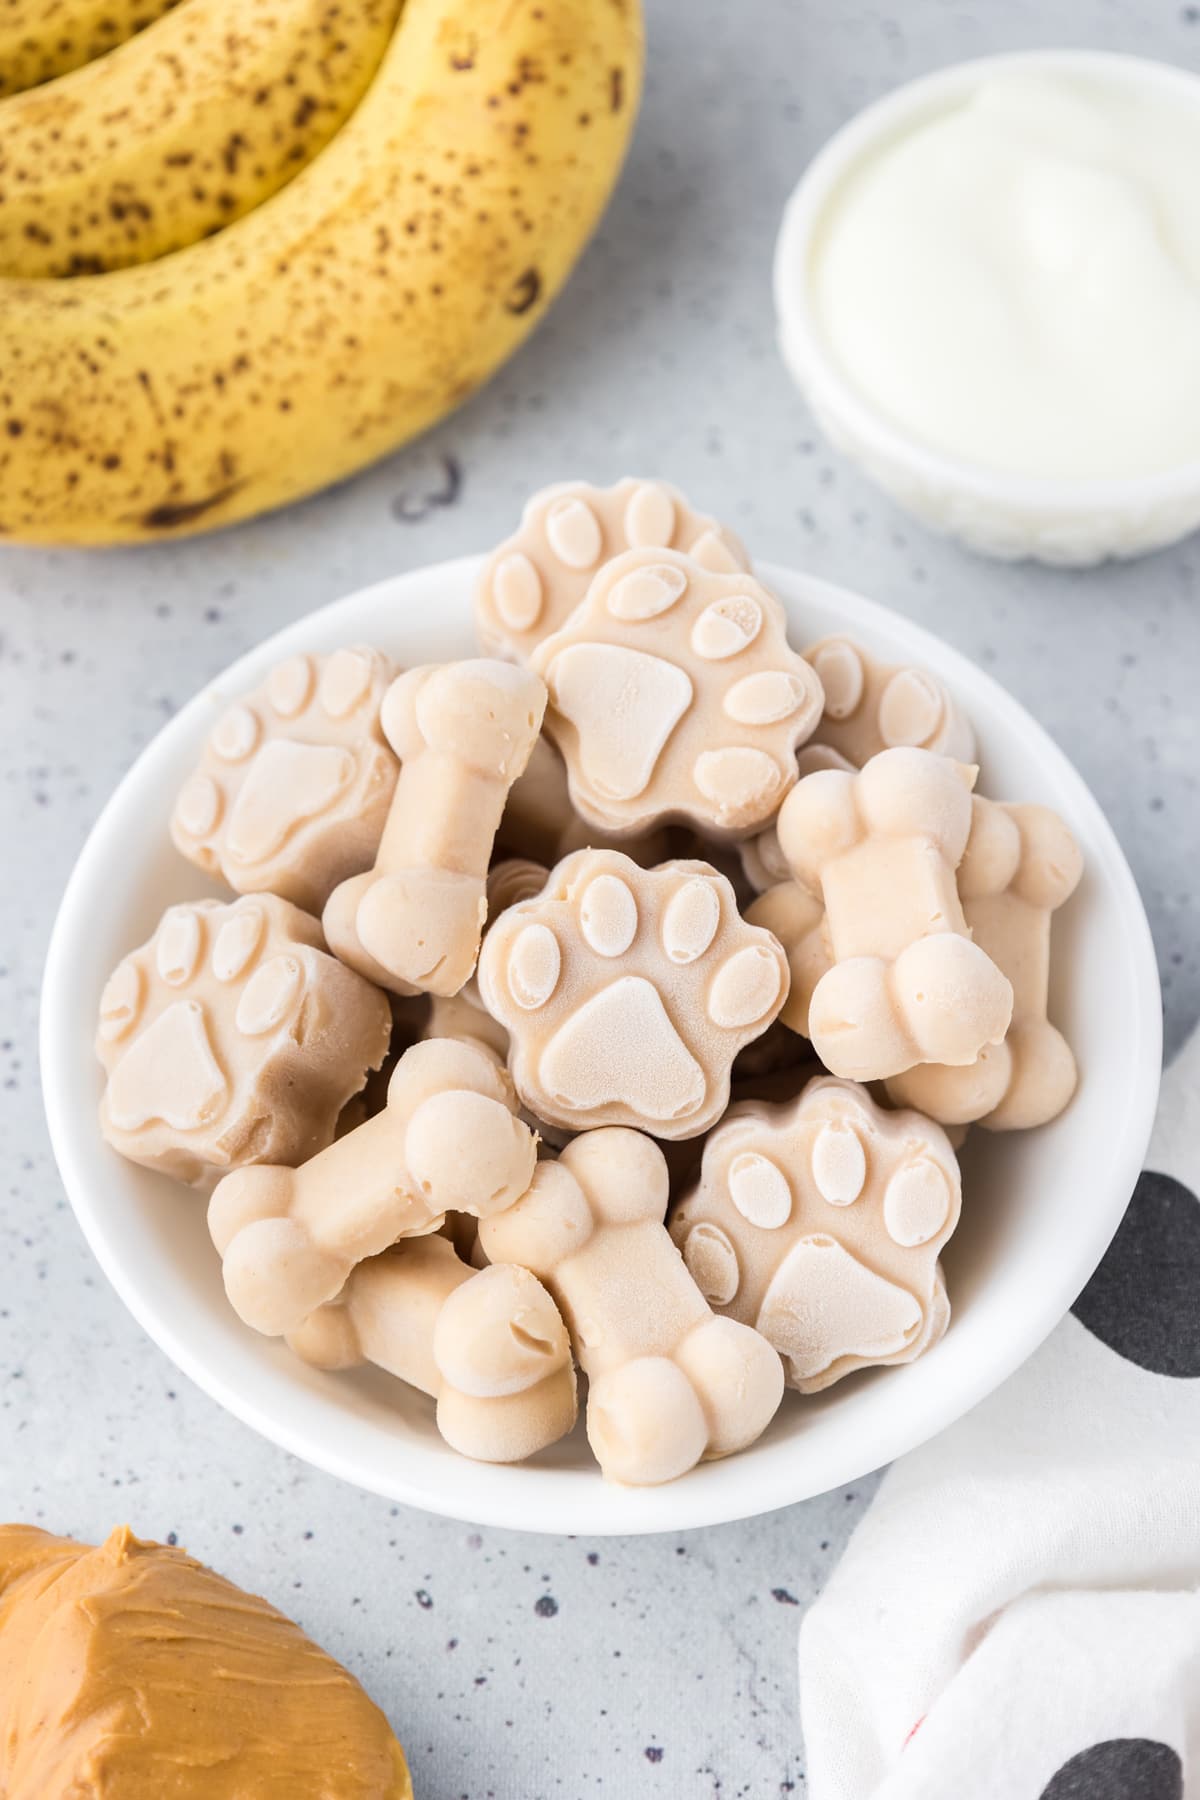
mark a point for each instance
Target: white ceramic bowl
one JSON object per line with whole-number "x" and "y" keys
{"x": 1040, "y": 1206}
{"x": 1067, "y": 522}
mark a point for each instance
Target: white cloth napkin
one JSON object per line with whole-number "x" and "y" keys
{"x": 1018, "y": 1615}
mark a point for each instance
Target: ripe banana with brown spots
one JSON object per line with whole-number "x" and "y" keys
{"x": 347, "y": 313}
{"x": 40, "y": 39}
{"x": 180, "y": 131}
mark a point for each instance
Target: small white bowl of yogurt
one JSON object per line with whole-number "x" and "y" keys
{"x": 988, "y": 290}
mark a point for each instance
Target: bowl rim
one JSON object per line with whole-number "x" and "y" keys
{"x": 812, "y": 362}
{"x": 601, "y": 1510}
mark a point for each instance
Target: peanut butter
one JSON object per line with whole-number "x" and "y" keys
{"x": 130, "y": 1672}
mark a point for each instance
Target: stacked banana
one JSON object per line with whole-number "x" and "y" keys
{"x": 261, "y": 242}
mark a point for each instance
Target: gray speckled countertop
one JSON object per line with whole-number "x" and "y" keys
{"x": 516, "y": 1666}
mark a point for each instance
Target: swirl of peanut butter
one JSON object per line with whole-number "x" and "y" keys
{"x": 129, "y": 1672}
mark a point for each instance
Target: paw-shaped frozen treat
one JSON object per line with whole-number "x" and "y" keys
{"x": 488, "y": 1345}
{"x": 463, "y": 732}
{"x": 675, "y": 696}
{"x": 627, "y": 993}
{"x": 880, "y": 848}
{"x": 872, "y": 706}
{"x": 232, "y": 1037}
{"x": 669, "y": 1383}
{"x": 1021, "y": 864}
{"x": 535, "y": 579}
{"x": 293, "y": 788}
{"x": 448, "y": 1140}
{"x": 820, "y": 1223}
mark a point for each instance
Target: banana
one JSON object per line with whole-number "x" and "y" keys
{"x": 179, "y": 131}
{"x": 40, "y": 39}
{"x": 352, "y": 309}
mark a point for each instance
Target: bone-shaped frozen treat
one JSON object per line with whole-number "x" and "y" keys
{"x": 1021, "y": 864}
{"x": 448, "y": 1140}
{"x": 669, "y": 1382}
{"x": 488, "y": 1345}
{"x": 463, "y": 732}
{"x": 880, "y": 849}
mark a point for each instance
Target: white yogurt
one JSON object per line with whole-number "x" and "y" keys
{"x": 1016, "y": 280}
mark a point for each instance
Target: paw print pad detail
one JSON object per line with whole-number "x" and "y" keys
{"x": 292, "y": 790}
{"x": 821, "y": 1223}
{"x": 233, "y": 1037}
{"x": 627, "y": 993}
{"x": 534, "y": 581}
{"x": 872, "y": 706}
{"x": 674, "y": 695}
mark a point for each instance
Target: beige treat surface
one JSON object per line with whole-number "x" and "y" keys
{"x": 627, "y": 993}
{"x": 820, "y": 1222}
{"x": 872, "y": 706}
{"x": 293, "y": 788}
{"x": 880, "y": 848}
{"x": 674, "y": 695}
{"x": 1021, "y": 864}
{"x": 669, "y": 1383}
{"x": 232, "y": 1037}
{"x": 463, "y": 732}
{"x": 488, "y": 1345}
{"x": 447, "y": 1141}
{"x": 535, "y": 579}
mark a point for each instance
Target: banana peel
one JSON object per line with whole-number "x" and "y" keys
{"x": 180, "y": 131}
{"x": 347, "y": 313}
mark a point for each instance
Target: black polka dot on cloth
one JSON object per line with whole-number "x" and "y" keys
{"x": 1141, "y": 1301}
{"x": 1119, "y": 1769}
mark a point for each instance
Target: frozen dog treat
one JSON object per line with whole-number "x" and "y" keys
{"x": 820, "y": 1223}
{"x": 880, "y": 849}
{"x": 1021, "y": 864}
{"x": 488, "y": 1345}
{"x": 675, "y": 696}
{"x": 534, "y": 581}
{"x": 293, "y": 788}
{"x": 232, "y": 1037}
{"x": 872, "y": 706}
{"x": 669, "y": 1383}
{"x": 627, "y": 993}
{"x": 448, "y": 1140}
{"x": 463, "y": 732}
